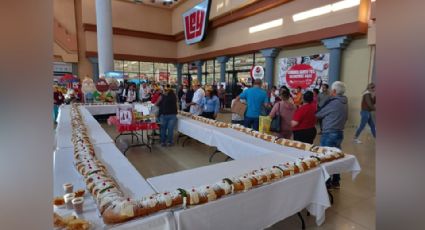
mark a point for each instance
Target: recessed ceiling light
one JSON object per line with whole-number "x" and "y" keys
{"x": 266, "y": 25}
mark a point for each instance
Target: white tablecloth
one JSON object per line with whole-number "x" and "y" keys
{"x": 197, "y": 130}
{"x": 239, "y": 145}
{"x": 63, "y": 130}
{"x": 256, "y": 209}
{"x": 105, "y": 109}
{"x": 130, "y": 181}
{"x": 347, "y": 164}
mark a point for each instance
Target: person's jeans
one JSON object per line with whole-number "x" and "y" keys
{"x": 251, "y": 122}
{"x": 366, "y": 118}
{"x": 168, "y": 122}
{"x": 332, "y": 139}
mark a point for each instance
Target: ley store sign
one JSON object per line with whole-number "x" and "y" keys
{"x": 195, "y": 22}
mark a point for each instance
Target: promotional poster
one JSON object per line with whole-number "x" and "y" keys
{"x": 307, "y": 72}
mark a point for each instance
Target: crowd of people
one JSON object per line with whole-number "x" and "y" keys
{"x": 299, "y": 112}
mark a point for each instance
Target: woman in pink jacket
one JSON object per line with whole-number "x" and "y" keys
{"x": 286, "y": 110}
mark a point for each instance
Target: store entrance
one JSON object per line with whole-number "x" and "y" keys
{"x": 233, "y": 89}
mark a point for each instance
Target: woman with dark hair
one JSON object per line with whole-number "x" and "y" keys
{"x": 304, "y": 120}
{"x": 167, "y": 104}
{"x": 285, "y": 110}
{"x": 210, "y": 104}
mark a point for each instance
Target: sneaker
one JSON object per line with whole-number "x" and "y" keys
{"x": 357, "y": 141}
{"x": 163, "y": 145}
{"x": 170, "y": 144}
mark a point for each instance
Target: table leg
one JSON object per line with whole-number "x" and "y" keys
{"x": 180, "y": 136}
{"x": 302, "y": 220}
{"x": 187, "y": 139}
{"x": 213, "y": 154}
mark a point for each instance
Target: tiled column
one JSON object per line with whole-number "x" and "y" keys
{"x": 199, "y": 73}
{"x": 179, "y": 67}
{"x": 223, "y": 61}
{"x": 95, "y": 68}
{"x": 335, "y": 47}
{"x": 104, "y": 36}
{"x": 270, "y": 56}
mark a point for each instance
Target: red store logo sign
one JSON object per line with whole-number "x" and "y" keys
{"x": 195, "y": 22}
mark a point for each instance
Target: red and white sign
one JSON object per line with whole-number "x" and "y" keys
{"x": 257, "y": 72}
{"x": 163, "y": 76}
{"x": 195, "y": 22}
{"x": 301, "y": 75}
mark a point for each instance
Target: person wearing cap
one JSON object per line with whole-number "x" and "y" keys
{"x": 210, "y": 104}
{"x": 195, "y": 104}
{"x": 256, "y": 98}
{"x": 304, "y": 120}
{"x": 167, "y": 103}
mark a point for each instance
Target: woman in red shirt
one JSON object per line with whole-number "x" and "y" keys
{"x": 304, "y": 120}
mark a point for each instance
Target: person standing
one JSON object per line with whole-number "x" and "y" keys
{"x": 321, "y": 99}
{"x": 316, "y": 96}
{"x": 58, "y": 100}
{"x": 221, "y": 95}
{"x": 298, "y": 97}
{"x": 180, "y": 94}
{"x": 274, "y": 95}
{"x": 286, "y": 110}
{"x": 131, "y": 93}
{"x": 156, "y": 94}
{"x": 210, "y": 105}
{"x": 324, "y": 95}
{"x": 334, "y": 115}
{"x": 304, "y": 120}
{"x": 195, "y": 104}
{"x": 144, "y": 92}
{"x": 124, "y": 92}
{"x": 120, "y": 91}
{"x": 167, "y": 104}
{"x": 256, "y": 98}
{"x": 368, "y": 107}
{"x": 188, "y": 98}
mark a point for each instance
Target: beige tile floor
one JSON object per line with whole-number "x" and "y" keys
{"x": 354, "y": 203}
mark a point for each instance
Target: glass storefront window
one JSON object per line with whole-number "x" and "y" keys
{"x": 161, "y": 72}
{"x": 244, "y": 62}
{"x": 131, "y": 66}
{"x": 118, "y": 65}
{"x": 146, "y": 70}
{"x": 260, "y": 60}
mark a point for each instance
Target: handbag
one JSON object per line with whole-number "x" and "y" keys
{"x": 275, "y": 124}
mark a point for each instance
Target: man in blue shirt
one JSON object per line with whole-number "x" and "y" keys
{"x": 255, "y": 97}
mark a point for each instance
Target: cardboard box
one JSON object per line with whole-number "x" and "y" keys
{"x": 239, "y": 108}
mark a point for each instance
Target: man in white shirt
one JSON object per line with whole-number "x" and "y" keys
{"x": 195, "y": 107}
{"x": 144, "y": 92}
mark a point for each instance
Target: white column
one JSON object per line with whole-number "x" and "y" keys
{"x": 104, "y": 36}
